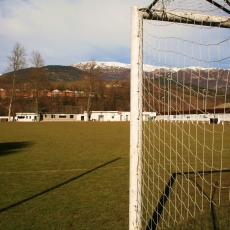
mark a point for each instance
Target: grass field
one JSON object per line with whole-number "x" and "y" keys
{"x": 186, "y": 175}
{"x": 64, "y": 175}
{"x": 75, "y": 175}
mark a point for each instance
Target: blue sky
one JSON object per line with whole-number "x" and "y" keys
{"x": 68, "y": 31}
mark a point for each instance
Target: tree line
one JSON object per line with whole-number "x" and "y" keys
{"x": 97, "y": 95}
{"x": 16, "y": 61}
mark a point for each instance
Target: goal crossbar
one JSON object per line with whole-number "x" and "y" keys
{"x": 185, "y": 17}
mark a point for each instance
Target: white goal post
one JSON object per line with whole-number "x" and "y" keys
{"x": 174, "y": 172}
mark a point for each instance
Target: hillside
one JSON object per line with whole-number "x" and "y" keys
{"x": 110, "y": 71}
{"x": 52, "y": 73}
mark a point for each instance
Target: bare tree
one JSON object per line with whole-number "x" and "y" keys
{"x": 93, "y": 76}
{"x": 17, "y": 60}
{"x": 37, "y": 74}
{"x": 36, "y": 59}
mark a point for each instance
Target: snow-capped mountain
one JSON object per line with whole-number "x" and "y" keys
{"x": 109, "y": 70}
{"x": 146, "y": 67}
{"x": 117, "y": 65}
{"x": 200, "y": 76}
{"x": 103, "y": 65}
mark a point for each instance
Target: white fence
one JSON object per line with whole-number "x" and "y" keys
{"x": 210, "y": 118}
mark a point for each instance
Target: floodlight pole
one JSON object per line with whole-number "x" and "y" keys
{"x": 136, "y": 120}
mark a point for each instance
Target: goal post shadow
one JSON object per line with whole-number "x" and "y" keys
{"x": 158, "y": 211}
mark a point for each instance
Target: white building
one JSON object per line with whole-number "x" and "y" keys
{"x": 95, "y": 116}
{"x": 58, "y": 117}
{"x": 112, "y": 116}
{"x": 108, "y": 116}
{"x": 26, "y": 117}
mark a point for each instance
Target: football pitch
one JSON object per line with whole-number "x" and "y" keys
{"x": 73, "y": 175}
{"x": 60, "y": 175}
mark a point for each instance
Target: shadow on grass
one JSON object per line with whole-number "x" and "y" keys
{"x": 12, "y": 147}
{"x": 152, "y": 225}
{"x": 57, "y": 186}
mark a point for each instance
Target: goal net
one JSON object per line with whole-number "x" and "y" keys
{"x": 180, "y": 115}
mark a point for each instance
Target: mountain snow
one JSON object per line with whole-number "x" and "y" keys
{"x": 102, "y": 65}
{"x": 146, "y": 67}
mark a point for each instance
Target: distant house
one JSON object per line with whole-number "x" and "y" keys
{"x": 108, "y": 116}
{"x": 95, "y": 116}
{"x": 112, "y": 116}
{"x": 17, "y": 92}
{"x": 68, "y": 93}
{"x": 79, "y": 94}
{"x": 44, "y": 93}
{"x": 58, "y": 117}
{"x": 2, "y": 93}
{"x": 26, "y": 117}
{"x": 56, "y": 93}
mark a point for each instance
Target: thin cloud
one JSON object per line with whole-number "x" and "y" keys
{"x": 68, "y": 31}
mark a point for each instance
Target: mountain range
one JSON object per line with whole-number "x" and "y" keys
{"x": 204, "y": 77}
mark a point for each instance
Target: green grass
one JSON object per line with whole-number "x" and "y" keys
{"x": 175, "y": 151}
{"x": 75, "y": 175}
{"x": 64, "y": 175}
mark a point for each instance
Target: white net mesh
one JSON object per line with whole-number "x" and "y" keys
{"x": 185, "y": 147}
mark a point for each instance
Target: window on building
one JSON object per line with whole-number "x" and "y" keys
{"x": 21, "y": 117}
{"x": 70, "y": 116}
{"x": 62, "y": 116}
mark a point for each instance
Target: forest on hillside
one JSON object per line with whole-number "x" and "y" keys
{"x": 86, "y": 91}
